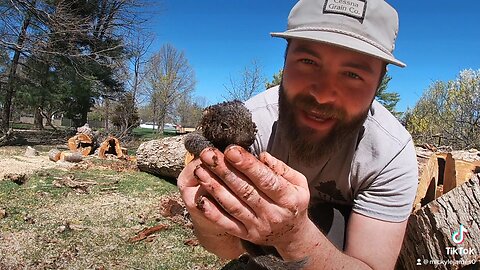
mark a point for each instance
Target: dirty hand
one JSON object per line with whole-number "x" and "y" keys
{"x": 260, "y": 200}
{"x": 191, "y": 192}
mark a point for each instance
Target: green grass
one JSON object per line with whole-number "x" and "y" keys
{"x": 50, "y": 227}
{"x": 22, "y": 126}
{"x": 146, "y": 134}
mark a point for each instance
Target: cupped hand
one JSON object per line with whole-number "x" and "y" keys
{"x": 260, "y": 200}
{"x": 192, "y": 194}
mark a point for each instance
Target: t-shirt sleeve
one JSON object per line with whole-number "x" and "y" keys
{"x": 389, "y": 196}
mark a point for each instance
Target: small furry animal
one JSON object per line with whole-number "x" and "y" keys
{"x": 221, "y": 125}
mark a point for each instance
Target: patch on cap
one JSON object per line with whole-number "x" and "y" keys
{"x": 351, "y": 8}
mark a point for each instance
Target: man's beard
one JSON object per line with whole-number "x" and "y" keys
{"x": 306, "y": 145}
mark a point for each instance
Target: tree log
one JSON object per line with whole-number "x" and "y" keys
{"x": 429, "y": 231}
{"x": 31, "y": 152}
{"x": 163, "y": 158}
{"x": 466, "y": 169}
{"x": 71, "y": 156}
{"x": 428, "y": 178}
{"x": 54, "y": 155}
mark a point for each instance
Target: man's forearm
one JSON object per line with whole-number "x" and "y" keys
{"x": 318, "y": 252}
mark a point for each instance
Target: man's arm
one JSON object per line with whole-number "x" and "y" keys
{"x": 370, "y": 244}
{"x": 375, "y": 242}
{"x": 265, "y": 202}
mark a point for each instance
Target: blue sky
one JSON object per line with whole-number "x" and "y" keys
{"x": 220, "y": 38}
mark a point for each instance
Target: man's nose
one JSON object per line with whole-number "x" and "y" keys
{"x": 324, "y": 88}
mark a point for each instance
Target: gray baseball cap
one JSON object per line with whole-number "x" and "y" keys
{"x": 366, "y": 26}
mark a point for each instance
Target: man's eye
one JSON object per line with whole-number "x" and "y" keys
{"x": 307, "y": 61}
{"x": 353, "y": 75}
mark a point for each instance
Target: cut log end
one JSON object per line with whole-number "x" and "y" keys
{"x": 31, "y": 152}
{"x": 54, "y": 155}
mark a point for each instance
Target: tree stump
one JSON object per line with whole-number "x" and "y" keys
{"x": 163, "y": 158}
{"x": 82, "y": 143}
{"x": 429, "y": 234}
{"x": 111, "y": 145}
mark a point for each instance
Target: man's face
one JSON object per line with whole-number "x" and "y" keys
{"x": 325, "y": 96}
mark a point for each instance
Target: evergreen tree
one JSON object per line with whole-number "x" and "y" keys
{"x": 277, "y": 79}
{"x": 388, "y": 99}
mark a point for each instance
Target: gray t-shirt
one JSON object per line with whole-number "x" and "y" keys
{"x": 375, "y": 173}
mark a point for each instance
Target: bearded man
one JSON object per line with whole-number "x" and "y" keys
{"x": 333, "y": 174}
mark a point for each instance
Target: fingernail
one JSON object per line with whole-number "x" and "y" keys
{"x": 198, "y": 172}
{"x": 209, "y": 157}
{"x": 234, "y": 154}
{"x": 195, "y": 172}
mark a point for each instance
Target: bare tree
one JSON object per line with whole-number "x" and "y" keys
{"x": 137, "y": 64}
{"x": 169, "y": 78}
{"x": 449, "y": 112}
{"x": 77, "y": 32}
{"x": 16, "y": 43}
{"x": 189, "y": 110}
{"x": 250, "y": 82}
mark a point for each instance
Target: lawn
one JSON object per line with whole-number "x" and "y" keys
{"x": 90, "y": 216}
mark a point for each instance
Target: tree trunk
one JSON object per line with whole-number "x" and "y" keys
{"x": 5, "y": 137}
{"x": 163, "y": 158}
{"x": 429, "y": 234}
{"x": 10, "y": 89}
{"x": 38, "y": 119}
{"x": 107, "y": 113}
{"x": 48, "y": 117}
{"x": 111, "y": 145}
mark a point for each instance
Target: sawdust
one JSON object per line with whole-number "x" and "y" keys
{"x": 24, "y": 165}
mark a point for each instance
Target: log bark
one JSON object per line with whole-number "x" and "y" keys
{"x": 71, "y": 156}
{"x": 163, "y": 158}
{"x": 146, "y": 232}
{"x": 429, "y": 230}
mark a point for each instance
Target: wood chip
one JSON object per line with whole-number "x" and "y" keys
{"x": 146, "y": 232}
